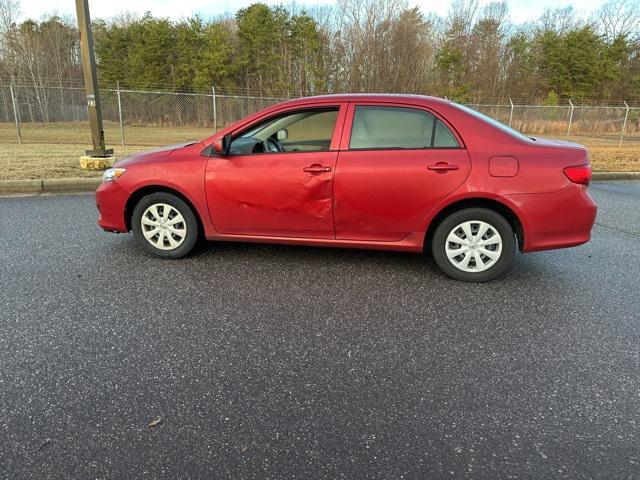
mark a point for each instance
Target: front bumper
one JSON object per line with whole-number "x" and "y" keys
{"x": 556, "y": 220}
{"x": 111, "y": 200}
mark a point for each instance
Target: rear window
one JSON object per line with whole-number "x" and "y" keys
{"x": 493, "y": 122}
{"x": 378, "y": 127}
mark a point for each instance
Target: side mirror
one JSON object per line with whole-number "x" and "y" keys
{"x": 282, "y": 134}
{"x": 222, "y": 145}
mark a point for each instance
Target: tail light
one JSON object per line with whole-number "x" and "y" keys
{"x": 580, "y": 174}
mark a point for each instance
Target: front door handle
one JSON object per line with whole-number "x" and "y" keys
{"x": 315, "y": 168}
{"x": 443, "y": 167}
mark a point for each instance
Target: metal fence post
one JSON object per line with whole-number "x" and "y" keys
{"x": 511, "y": 114}
{"x": 570, "y": 118}
{"x": 16, "y": 113}
{"x": 215, "y": 112}
{"x": 120, "y": 114}
{"x": 624, "y": 125}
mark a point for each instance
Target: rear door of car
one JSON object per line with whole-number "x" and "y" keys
{"x": 396, "y": 162}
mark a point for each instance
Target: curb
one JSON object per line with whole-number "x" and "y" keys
{"x": 13, "y": 187}
{"x": 598, "y": 176}
{"x": 75, "y": 185}
{"x": 53, "y": 185}
{"x": 59, "y": 185}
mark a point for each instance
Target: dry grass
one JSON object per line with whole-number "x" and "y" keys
{"x": 52, "y": 151}
{"x": 48, "y": 160}
{"x": 614, "y": 159}
{"x": 78, "y": 133}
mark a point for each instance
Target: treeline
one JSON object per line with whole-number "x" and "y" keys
{"x": 471, "y": 53}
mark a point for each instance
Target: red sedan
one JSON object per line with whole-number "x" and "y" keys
{"x": 388, "y": 172}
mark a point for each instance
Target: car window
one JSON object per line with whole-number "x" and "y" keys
{"x": 398, "y": 127}
{"x": 443, "y": 138}
{"x": 312, "y": 127}
{"x": 301, "y": 130}
{"x": 493, "y": 122}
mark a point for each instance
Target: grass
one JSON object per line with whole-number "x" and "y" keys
{"x": 48, "y": 160}
{"x": 78, "y": 133}
{"x": 615, "y": 159}
{"x": 53, "y": 150}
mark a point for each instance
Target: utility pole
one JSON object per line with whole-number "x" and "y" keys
{"x": 91, "y": 81}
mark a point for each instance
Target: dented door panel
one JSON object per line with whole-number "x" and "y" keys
{"x": 272, "y": 194}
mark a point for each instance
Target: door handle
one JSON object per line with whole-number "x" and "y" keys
{"x": 316, "y": 169}
{"x": 443, "y": 167}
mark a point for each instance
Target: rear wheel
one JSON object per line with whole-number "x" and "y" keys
{"x": 164, "y": 225}
{"x": 473, "y": 245}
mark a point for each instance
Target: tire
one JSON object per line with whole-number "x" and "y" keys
{"x": 173, "y": 221}
{"x": 481, "y": 259}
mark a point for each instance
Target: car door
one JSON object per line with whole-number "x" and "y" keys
{"x": 258, "y": 191}
{"x": 396, "y": 163}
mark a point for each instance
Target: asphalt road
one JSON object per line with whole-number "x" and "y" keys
{"x": 274, "y": 362}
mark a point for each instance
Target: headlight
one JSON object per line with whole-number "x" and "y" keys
{"x": 112, "y": 174}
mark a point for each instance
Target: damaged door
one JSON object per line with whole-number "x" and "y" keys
{"x": 277, "y": 180}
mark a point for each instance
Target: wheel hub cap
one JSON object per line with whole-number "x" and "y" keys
{"x": 473, "y": 246}
{"x": 163, "y": 226}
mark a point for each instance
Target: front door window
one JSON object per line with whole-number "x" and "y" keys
{"x": 299, "y": 131}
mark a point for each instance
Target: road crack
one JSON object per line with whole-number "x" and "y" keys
{"x": 619, "y": 230}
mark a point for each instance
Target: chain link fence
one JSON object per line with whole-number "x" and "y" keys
{"x": 50, "y": 114}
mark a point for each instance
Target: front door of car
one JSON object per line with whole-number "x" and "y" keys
{"x": 395, "y": 165}
{"x": 277, "y": 180}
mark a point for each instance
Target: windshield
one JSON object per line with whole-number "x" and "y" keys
{"x": 493, "y": 122}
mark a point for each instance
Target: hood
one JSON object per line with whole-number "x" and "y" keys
{"x": 152, "y": 155}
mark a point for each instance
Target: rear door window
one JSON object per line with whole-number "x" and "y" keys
{"x": 380, "y": 127}
{"x": 443, "y": 138}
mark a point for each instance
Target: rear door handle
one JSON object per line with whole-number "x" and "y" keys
{"x": 315, "y": 168}
{"x": 443, "y": 167}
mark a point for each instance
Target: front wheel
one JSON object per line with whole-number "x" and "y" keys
{"x": 473, "y": 245}
{"x": 164, "y": 225}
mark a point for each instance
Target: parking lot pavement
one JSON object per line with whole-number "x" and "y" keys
{"x": 291, "y": 362}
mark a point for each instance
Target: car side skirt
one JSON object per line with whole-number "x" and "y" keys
{"x": 414, "y": 242}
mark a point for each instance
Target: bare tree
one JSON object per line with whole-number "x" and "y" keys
{"x": 619, "y": 18}
{"x": 461, "y": 17}
{"x": 487, "y": 49}
{"x": 560, "y": 20}
{"x": 125, "y": 18}
{"x": 9, "y": 14}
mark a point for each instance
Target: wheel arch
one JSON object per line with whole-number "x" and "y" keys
{"x": 478, "y": 202}
{"x": 141, "y": 192}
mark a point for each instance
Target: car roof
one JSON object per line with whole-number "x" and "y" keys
{"x": 336, "y": 98}
{"x": 368, "y": 97}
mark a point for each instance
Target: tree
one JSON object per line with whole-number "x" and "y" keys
{"x": 216, "y": 65}
{"x": 261, "y": 35}
{"x": 304, "y": 45}
{"x": 619, "y": 18}
{"x": 112, "y": 46}
{"x": 470, "y": 53}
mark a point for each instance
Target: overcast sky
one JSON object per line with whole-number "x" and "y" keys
{"x": 520, "y": 10}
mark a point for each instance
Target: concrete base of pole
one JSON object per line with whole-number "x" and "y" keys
{"x": 96, "y": 163}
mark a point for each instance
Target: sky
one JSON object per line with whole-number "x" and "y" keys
{"x": 520, "y": 10}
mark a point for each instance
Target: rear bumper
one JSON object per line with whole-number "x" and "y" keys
{"x": 111, "y": 200}
{"x": 556, "y": 220}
